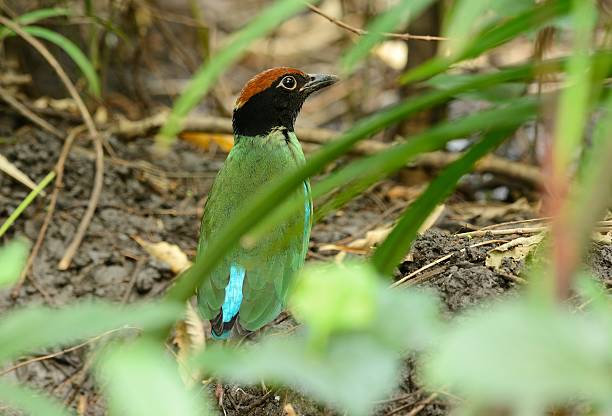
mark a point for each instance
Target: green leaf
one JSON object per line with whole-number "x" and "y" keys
{"x": 327, "y": 298}
{"x": 35, "y": 16}
{"x": 350, "y": 376}
{"x": 27, "y": 330}
{"x": 389, "y": 20}
{"x": 26, "y": 202}
{"x": 141, "y": 379}
{"x": 397, "y": 244}
{"x": 526, "y": 356}
{"x": 71, "y": 50}
{"x": 469, "y": 16}
{"x": 491, "y": 37}
{"x": 499, "y": 93}
{"x": 13, "y": 257}
{"x": 574, "y": 103}
{"x": 208, "y": 73}
{"x": 30, "y": 401}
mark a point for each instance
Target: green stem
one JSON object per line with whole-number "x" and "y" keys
{"x": 26, "y": 202}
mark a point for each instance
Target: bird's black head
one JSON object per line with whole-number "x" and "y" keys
{"x": 274, "y": 98}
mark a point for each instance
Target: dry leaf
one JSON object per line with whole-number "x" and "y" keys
{"x": 7, "y": 167}
{"x": 289, "y": 410}
{"x": 603, "y": 238}
{"x": 171, "y": 254}
{"x": 204, "y": 140}
{"x": 516, "y": 249}
{"x": 189, "y": 338}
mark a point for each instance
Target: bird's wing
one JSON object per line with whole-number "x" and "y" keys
{"x": 270, "y": 263}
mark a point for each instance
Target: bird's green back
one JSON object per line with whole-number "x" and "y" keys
{"x": 269, "y": 264}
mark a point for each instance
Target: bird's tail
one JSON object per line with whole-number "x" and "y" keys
{"x": 221, "y": 330}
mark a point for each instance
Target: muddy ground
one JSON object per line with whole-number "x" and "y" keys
{"x": 160, "y": 199}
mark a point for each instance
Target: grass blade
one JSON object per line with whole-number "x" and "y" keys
{"x": 397, "y": 244}
{"x": 489, "y": 38}
{"x": 140, "y": 379}
{"x": 204, "y": 78}
{"x": 389, "y": 20}
{"x": 36, "y": 16}
{"x": 26, "y": 202}
{"x": 361, "y": 174}
{"x": 71, "y": 50}
{"x": 574, "y": 102}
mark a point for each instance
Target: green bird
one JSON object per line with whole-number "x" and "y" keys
{"x": 248, "y": 287}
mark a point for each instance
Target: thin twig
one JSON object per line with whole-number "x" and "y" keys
{"x": 510, "y": 231}
{"x": 59, "y": 169}
{"x": 91, "y": 208}
{"x": 29, "y": 114}
{"x": 441, "y": 259}
{"x": 137, "y": 268}
{"x": 361, "y": 32}
{"x": 58, "y": 353}
{"x": 99, "y": 176}
{"x": 422, "y": 404}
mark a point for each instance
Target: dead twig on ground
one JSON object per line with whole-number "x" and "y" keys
{"x": 99, "y": 175}
{"x": 29, "y": 114}
{"x": 58, "y": 353}
{"x": 361, "y": 32}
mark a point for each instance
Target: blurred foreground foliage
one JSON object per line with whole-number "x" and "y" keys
{"x": 530, "y": 353}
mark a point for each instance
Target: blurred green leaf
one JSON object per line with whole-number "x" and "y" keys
{"x": 31, "y": 401}
{"x": 491, "y": 37}
{"x": 27, "y": 330}
{"x": 202, "y": 81}
{"x": 35, "y": 16}
{"x": 141, "y": 379}
{"x": 13, "y": 257}
{"x": 526, "y": 356}
{"x": 397, "y": 244}
{"x": 469, "y": 16}
{"x": 350, "y": 376}
{"x": 573, "y": 104}
{"x": 389, "y": 20}
{"x": 499, "y": 93}
{"x": 327, "y": 298}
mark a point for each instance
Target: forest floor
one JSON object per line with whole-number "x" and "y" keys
{"x": 160, "y": 199}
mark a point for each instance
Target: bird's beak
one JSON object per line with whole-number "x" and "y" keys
{"x": 317, "y": 82}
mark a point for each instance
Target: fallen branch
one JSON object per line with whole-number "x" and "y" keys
{"x": 525, "y": 173}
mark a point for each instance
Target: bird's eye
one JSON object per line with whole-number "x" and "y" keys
{"x": 289, "y": 83}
